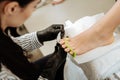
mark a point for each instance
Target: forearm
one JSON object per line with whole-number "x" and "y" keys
{"x": 111, "y": 19}
{"x": 28, "y": 42}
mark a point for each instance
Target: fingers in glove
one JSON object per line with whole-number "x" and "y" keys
{"x": 58, "y": 27}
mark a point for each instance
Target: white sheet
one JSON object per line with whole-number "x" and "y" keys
{"x": 73, "y": 71}
{"x": 98, "y": 63}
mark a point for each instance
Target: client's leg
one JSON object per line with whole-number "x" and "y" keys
{"x": 100, "y": 34}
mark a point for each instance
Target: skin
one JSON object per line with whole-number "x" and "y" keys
{"x": 14, "y": 15}
{"x": 54, "y": 2}
{"x": 100, "y": 34}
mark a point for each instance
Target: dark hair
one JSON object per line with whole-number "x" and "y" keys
{"x": 22, "y": 3}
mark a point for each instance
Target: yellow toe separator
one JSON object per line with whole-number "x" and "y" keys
{"x": 74, "y": 53}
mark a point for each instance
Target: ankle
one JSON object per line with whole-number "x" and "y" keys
{"x": 104, "y": 37}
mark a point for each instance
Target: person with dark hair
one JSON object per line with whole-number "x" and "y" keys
{"x": 14, "y": 13}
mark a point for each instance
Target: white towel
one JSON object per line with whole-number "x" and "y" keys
{"x": 73, "y": 71}
{"x": 98, "y": 63}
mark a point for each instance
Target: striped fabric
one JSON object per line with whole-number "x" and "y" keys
{"x": 28, "y": 42}
{"x": 114, "y": 76}
{"x": 6, "y": 74}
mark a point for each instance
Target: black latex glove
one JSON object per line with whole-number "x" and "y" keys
{"x": 50, "y": 33}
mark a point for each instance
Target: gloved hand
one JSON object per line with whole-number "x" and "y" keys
{"x": 50, "y": 33}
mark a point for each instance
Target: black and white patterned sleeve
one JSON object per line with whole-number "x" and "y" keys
{"x": 28, "y": 42}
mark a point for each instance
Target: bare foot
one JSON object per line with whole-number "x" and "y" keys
{"x": 54, "y": 2}
{"x": 87, "y": 41}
